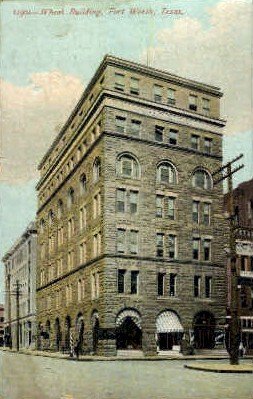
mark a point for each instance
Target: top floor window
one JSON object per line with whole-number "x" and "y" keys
{"x": 158, "y": 93}
{"x": 71, "y": 197}
{"x": 159, "y": 133}
{"x": 119, "y": 82}
{"x": 83, "y": 184}
{"x": 166, "y": 173}
{"x": 202, "y": 179}
{"x": 194, "y": 141}
{"x": 120, "y": 122}
{"x": 128, "y": 166}
{"x": 60, "y": 208}
{"x": 193, "y": 102}
{"x": 42, "y": 225}
{"x": 96, "y": 170}
{"x": 135, "y": 127}
{"x": 134, "y": 86}
{"x": 171, "y": 96}
{"x": 173, "y": 135}
{"x": 207, "y": 145}
{"x": 206, "y": 106}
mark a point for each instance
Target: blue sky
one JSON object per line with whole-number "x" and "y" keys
{"x": 199, "y": 44}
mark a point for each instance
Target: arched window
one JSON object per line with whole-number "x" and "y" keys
{"x": 83, "y": 184}
{"x": 96, "y": 170}
{"x": 42, "y": 225}
{"x": 202, "y": 179}
{"x": 50, "y": 217}
{"x": 128, "y": 166}
{"x": 166, "y": 173}
{"x": 71, "y": 197}
{"x": 60, "y": 208}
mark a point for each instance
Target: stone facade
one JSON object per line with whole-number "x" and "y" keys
{"x": 20, "y": 267}
{"x": 125, "y": 192}
{"x": 1, "y": 324}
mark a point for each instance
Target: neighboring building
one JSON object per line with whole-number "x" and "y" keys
{"x": 20, "y": 269}
{"x": 1, "y": 324}
{"x": 130, "y": 228}
{"x": 243, "y": 213}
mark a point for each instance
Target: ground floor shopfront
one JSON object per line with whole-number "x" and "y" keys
{"x": 169, "y": 332}
{"x": 26, "y": 333}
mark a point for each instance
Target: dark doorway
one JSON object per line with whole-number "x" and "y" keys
{"x": 129, "y": 335}
{"x": 168, "y": 340}
{"x": 95, "y": 335}
{"x": 204, "y": 330}
{"x": 67, "y": 333}
{"x": 57, "y": 334}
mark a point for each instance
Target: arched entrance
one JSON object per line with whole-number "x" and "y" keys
{"x": 67, "y": 333}
{"x": 58, "y": 337}
{"x": 80, "y": 331}
{"x": 29, "y": 333}
{"x": 128, "y": 330}
{"x": 204, "y": 330}
{"x": 169, "y": 331}
{"x": 47, "y": 334}
{"x": 95, "y": 331}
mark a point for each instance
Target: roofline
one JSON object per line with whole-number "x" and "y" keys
{"x": 112, "y": 60}
{"x": 31, "y": 228}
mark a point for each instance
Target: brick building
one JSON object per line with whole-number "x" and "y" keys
{"x": 20, "y": 266}
{"x": 243, "y": 212}
{"x": 130, "y": 227}
{"x": 1, "y": 324}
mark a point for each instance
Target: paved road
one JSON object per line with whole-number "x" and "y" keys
{"x": 32, "y": 377}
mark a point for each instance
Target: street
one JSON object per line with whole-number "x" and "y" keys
{"x": 34, "y": 377}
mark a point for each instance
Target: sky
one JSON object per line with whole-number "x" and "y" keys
{"x": 50, "y": 50}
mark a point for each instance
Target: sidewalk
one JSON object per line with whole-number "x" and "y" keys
{"x": 221, "y": 368}
{"x": 59, "y": 355}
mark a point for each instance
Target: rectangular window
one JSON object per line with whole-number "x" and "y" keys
{"x": 159, "y": 206}
{"x": 206, "y": 213}
{"x": 197, "y": 282}
{"x": 207, "y": 249}
{"x": 95, "y": 285}
{"x": 120, "y": 200}
{"x": 172, "y": 246}
{"x": 159, "y": 244}
{"x": 193, "y": 102}
{"x": 194, "y": 142}
{"x": 160, "y": 284}
{"x": 121, "y": 281}
{"x": 127, "y": 167}
{"x": 96, "y": 205}
{"x": 173, "y": 278}
{"x": 71, "y": 228}
{"x": 158, "y": 93}
{"x": 119, "y": 82}
{"x": 135, "y": 127}
{"x": 159, "y": 133}
{"x": 208, "y": 286}
{"x": 121, "y": 241}
{"x": 171, "y": 208}
{"x": 195, "y": 248}
{"x": 173, "y": 134}
{"x": 206, "y": 106}
{"x": 207, "y": 145}
{"x": 195, "y": 211}
{"x": 134, "y": 282}
{"x": 133, "y": 241}
{"x": 171, "y": 96}
{"x": 243, "y": 262}
{"x": 70, "y": 260}
{"x": 133, "y": 201}
{"x": 134, "y": 86}
{"x": 82, "y": 252}
{"x": 120, "y": 122}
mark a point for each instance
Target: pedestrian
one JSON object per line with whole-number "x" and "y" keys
{"x": 241, "y": 349}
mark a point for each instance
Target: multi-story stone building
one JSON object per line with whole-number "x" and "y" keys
{"x": 20, "y": 273}
{"x": 130, "y": 226}
{"x": 243, "y": 213}
{"x": 1, "y": 324}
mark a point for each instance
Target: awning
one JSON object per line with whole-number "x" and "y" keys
{"x": 168, "y": 322}
{"x": 129, "y": 313}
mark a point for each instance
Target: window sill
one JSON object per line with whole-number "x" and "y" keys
{"x": 166, "y": 297}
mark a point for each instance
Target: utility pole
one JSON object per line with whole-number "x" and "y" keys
{"x": 233, "y": 316}
{"x": 17, "y": 311}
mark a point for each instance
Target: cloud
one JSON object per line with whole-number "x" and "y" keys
{"x": 31, "y": 118}
{"x": 219, "y": 53}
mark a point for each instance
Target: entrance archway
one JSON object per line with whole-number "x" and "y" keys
{"x": 57, "y": 334}
{"x": 169, "y": 330}
{"x": 80, "y": 331}
{"x": 128, "y": 330}
{"x": 95, "y": 331}
{"x": 67, "y": 333}
{"x": 204, "y": 330}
